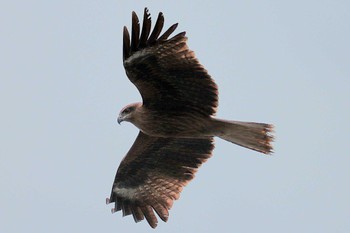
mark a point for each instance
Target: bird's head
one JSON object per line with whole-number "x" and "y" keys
{"x": 127, "y": 113}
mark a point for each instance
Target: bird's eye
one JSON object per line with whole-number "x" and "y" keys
{"x": 126, "y": 111}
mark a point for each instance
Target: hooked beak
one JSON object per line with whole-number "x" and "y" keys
{"x": 120, "y": 119}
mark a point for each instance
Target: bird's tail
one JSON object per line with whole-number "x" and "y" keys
{"x": 255, "y": 136}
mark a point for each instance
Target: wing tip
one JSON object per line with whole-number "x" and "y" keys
{"x": 138, "y": 42}
{"x": 126, "y": 43}
{"x": 142, "y": 210}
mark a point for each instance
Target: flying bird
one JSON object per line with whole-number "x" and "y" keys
{"x": 176, "y": 122}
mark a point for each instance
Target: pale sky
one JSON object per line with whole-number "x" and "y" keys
{"x": 63, "y": 84}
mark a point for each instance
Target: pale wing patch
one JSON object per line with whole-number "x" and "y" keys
{"x": 129, "y": 193}
{"x": 138, "y": 56}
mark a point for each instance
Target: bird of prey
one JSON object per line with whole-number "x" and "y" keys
{"x": 176, "y": 122}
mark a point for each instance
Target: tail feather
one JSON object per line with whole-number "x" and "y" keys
{"x": 255, "y": 136}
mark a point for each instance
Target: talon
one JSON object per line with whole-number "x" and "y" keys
{"x": 108, "y": 201}
{"x": 113, "y": 210}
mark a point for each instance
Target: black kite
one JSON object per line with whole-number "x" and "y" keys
{"x": 175, "y": 120}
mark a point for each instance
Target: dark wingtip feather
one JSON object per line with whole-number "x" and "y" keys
{"x": 135, "y": 32}
{"x": 162, "y": 211}
{"x": 181, "y": 34}
{"x": 137, "y": 214}
{"x": 118, "y": 204}
{"x": 126, "y": 209}
{"x": 126, "y": 43}
{"x": 147, "y": 38}
{"x": 146, "y": 28}
{"x": 168, "y": 32}
{"x": 150, "y": 217}
{"x": 157, "y": 29}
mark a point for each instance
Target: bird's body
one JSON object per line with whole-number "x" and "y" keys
{"x": 177, "y": 124}
{"x": 176, "y": 121}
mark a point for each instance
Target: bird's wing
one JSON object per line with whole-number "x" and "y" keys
{"x": 154, "y": 172}
{"x": 167, "y": 74}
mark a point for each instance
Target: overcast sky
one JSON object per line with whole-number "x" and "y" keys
{"x": 63, "y": 84}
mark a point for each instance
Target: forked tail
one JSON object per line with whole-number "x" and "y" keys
{"x": 255, "y": 136}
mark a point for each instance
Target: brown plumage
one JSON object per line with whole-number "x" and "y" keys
{"x": 175, "y": 120}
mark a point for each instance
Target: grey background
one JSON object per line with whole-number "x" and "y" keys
{"x": 63, "y": 84}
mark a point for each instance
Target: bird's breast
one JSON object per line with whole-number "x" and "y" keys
{"x": 172, "y": 125}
